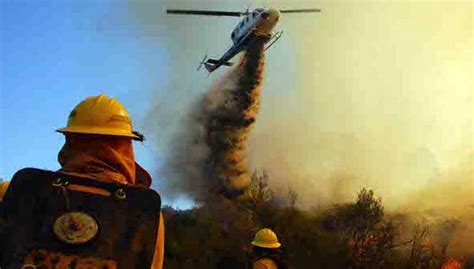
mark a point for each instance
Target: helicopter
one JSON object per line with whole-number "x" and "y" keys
{"x": 254, "y": 26}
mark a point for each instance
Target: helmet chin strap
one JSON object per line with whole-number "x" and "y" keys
{"x": 140, "y": 136}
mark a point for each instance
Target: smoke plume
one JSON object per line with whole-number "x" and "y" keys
{"x": 372, "y": 94}
{"x": 209, "y": 155}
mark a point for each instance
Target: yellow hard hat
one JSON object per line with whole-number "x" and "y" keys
{"x": 3, "y": 188}
{"x": 266, "y": 238}
{"x": 100, "y": 115}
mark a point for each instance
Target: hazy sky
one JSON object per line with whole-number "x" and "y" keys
{"x": 377, "y": 92}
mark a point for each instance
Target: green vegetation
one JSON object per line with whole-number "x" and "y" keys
{"x": 359, "y": 234}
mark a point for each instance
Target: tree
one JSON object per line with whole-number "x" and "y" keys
{"x": 258, "y": 198}
{"x": 421, "y": 250}
{"x": 259, "y": 191}
{"x": 292, "y": 198}
{"x": 362, "y": 226}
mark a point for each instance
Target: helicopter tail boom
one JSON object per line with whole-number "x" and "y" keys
{"x": 213, "y": 64}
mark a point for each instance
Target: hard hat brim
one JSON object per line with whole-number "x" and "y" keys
{"x": 97, "y": 131}
{"x": 265, "y": 245}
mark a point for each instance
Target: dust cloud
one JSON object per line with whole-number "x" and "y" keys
{"x": 208, "y": 155}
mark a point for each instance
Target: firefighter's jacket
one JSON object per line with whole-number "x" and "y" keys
{"x": 56, "y": 220}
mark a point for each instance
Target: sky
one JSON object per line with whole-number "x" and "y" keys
{"x": 55, "y": 53}
{"x": 366, "y": 93}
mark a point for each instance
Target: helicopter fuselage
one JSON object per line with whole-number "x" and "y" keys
{"x": 260, "y": 21}
{"x": 256, "y": 25}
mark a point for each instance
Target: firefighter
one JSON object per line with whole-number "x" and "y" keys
{"x": 267, "y": 251}
{"x": 97, "y": 211}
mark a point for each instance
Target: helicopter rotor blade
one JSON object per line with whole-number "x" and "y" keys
{"x": 205, "y": 12}
{"x": 300, "y": 10}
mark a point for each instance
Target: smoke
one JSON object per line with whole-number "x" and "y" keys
{"x": 371, "y": 94}
{"x": 208, "y": 155}
{"x": 447, "y": 204}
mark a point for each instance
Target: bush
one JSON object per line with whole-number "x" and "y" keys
{"x": 217, "y": 234}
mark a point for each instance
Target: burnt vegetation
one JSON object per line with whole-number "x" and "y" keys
{"x": 358, "y": 234}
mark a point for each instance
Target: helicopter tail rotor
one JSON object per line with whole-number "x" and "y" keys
{"x": 202, "y": 62}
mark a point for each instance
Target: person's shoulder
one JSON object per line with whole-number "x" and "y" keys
{"x": 31, "y": 171}
{"x": 30, "y": 175}
{"x": 265, "y": 263}
{"x": 26, "y": 178}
